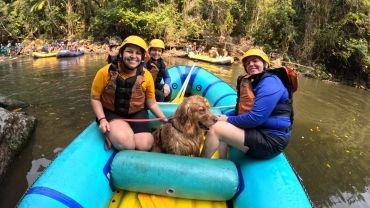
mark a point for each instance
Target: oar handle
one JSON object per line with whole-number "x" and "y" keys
{"x": 180, "y": 96}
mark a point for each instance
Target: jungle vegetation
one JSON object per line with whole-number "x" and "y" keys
{"x": 332, "y": 35}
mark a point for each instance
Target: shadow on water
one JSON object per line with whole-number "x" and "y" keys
{"x": 329, "y": 148}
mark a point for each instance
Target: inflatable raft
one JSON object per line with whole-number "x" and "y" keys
{"x": 227, "y": 60}
{"x": 69, "y": 53}
{"x": 86, "y": 174}
{"x": 44, "y": 54}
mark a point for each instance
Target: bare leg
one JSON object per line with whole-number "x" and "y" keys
{"x": 220, "y": 135}
{"x": 222, "y": 150}
{"x": 143, "y": 141}
{"x": 211, "y": 144}
{"x": 121, "y": 135}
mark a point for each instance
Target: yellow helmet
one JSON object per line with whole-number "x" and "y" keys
{"x": 156, "y": 43}
{"x": 135, "y": 40}
{"x": 256, "y": 52}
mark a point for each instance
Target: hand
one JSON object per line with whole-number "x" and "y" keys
{"x": 222, "y": 118}
{"x": 154, "y": 66}
{"x": 104, "y": 126}
{"x": 163, "y": 119}
{"x": 166, "y": 90}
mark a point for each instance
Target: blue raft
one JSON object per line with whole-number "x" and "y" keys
{"x": 69, "y": 53}
{"x": 79, "y": 176}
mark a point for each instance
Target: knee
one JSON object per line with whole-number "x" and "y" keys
{"x": 145, "y": 143}
{"x": 216, "y": 129}
{"x": 126, "y": 143}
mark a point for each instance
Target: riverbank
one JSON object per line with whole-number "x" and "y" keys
{"x": 234, "y": 50}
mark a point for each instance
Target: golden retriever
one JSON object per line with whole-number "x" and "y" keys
{"x": 184, "y": 132}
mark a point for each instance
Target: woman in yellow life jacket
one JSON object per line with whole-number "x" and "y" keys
{"x": 123, "y": 93}
{"x": 261, "y": 123}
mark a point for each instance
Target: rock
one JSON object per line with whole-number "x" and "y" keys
{"x": 16, "y": 128}
{"x": 11, "y": 104}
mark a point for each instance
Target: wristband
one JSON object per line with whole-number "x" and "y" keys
{"x": 101, "y": 119}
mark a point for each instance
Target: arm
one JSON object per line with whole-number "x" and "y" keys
{"x": 150, "y": 102}
{"x": 97, "y": 88}
{"x": 167, "y": 81}
{"x": 268, "y": 93}
{"x": 156, "y": 110}
{"x": 166, "y": 76}
{"x": 99, "y": 113}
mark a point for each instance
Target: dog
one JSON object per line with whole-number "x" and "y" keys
{"x": 183, "y": 134}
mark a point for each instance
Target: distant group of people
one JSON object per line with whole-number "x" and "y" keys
{"x": 125, "y": 88}
{"x": 12, "y": 48}
{"x": 213, "y": 52}
{"x": 57, "y": 45}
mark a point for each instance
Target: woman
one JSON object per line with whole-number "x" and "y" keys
{"x": 260, "y": 128}
{"x": 125, "y": 93}
{"x": 157, "y": 68}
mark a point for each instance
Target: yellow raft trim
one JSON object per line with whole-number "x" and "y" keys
{"x": 124, "y": 199}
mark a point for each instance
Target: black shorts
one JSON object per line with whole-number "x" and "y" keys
{"x": 263, "y": 144}
{"x": 159, "y": 94}
{"x": 137, "y": 127}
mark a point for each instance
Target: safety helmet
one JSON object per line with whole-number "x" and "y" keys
{"x": 135, "y": 40}
{"x": 115, "y": 41}
{"x": 256, "y": 52}
{"x": 156, "y": 43}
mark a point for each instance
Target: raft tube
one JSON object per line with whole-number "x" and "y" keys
{"x": 174, "y": 175}
{"x": 219, "y": 93}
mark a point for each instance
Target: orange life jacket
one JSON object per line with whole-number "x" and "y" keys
{"x": 124, "y": 97}
{"x": 245, "y": 99}
{"x": 245, "y": 83}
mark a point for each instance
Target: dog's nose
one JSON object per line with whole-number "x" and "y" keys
{"x": 215, "y": 119}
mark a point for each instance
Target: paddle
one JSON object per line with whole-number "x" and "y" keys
{"x": 180, "y": 96}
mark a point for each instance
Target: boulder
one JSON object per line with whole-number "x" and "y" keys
{"x": 11, "y": 104}
{"x": 16, "y": 128}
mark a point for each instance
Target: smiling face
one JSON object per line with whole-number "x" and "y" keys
{"x": 132, "y": 56}
{"x": 254, "y": 65}
{"x": 156, "y": 53}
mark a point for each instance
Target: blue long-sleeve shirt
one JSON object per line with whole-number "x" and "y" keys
{"x": 166, "y": 77}
{"x": 269, "y": 92}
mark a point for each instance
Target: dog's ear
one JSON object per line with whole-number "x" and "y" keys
{"x": 182, "y": 112}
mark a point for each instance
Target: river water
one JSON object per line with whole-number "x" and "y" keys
{"x": 329, "y": 148}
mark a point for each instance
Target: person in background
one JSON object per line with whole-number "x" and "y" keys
{"x": 33, "y": 46}
{"x": 224, "y": 52}
{"x": 157, "y": 67}
{"x": 114, "y": 43}
{"x": 46, "y": 48}
{"x": 195, "y": 48}
{"x": 126, "y": 93}
{"x": 3, "y": 50}
{"x": 201, "y": 50}
{"x": 213, "y": 52}
{"x": 189, "y": 48}
{"x": 260, "y": 127}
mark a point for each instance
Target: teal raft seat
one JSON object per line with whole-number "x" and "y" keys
{"x": 175, "y": 176}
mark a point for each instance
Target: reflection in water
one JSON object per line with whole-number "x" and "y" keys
{"x": 329, "y": 148}
{"x": 37, "y": 167}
